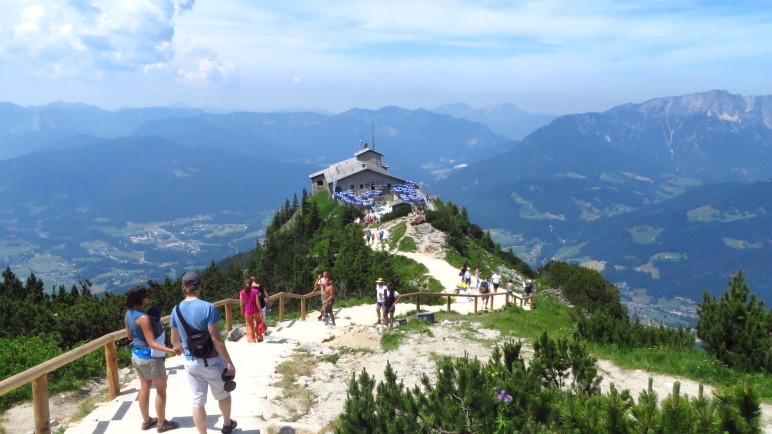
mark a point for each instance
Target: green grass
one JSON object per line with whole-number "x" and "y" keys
{"x": 558, "y": 320}
{"x": 697, "y": 365}
{"x": 478, "y": 257}
{"x": 392, "y": 338}
{"x": 397, "y": 233}
{"x": 407, "y": 244}
{"x": 513, "y": 321}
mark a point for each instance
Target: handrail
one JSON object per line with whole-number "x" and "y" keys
{"x": 38, "y": 375}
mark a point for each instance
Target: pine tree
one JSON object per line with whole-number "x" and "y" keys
{"x": 645, "y": 412}
{"x": 359, "y": 409}
{"x": 676, "y": 413}
{"x": 737, "y": 329}
{"x": 702, "y": 413}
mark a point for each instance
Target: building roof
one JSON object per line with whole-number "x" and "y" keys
{"x": 366, "y": 150}
{"x": 352, "y": 166}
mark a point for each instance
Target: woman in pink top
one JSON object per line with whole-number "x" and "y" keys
{"x": 251, "y": 311}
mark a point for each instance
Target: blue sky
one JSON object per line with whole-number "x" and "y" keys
{"x": 552, "y": 57}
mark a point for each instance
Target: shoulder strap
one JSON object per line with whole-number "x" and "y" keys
{"x": 184, "y": 323}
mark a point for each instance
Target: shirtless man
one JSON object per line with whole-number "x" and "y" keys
{"x": 329, "y": 299}
{"x": 319, "y": 285}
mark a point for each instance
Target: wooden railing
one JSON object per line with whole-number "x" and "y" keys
{"x": 515, "y": 298}
{"x": 38, "y": 375}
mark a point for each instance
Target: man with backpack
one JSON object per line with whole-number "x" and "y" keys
{"x": 390, "y": 298}
{"x": 194, "y": 330}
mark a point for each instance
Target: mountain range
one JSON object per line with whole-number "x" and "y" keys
{"x": 666, "y": 197}
{"x": 122, "y": 197}
{"x": 561, "y": 190}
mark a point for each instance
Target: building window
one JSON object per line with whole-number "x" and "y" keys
{"x": 372, "y": 186}
{"x": 320, "y": 183}
{"x": 352, "y": 186}
{"x": 361, "y": 186}
{"x": 338, "y": 189}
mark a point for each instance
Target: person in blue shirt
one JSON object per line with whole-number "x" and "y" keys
{"x": 148, "y": 352}
{"x": 206, "y": 372}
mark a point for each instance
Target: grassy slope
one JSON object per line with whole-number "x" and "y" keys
{"x": 559, "y": 321}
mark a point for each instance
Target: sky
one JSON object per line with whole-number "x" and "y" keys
{"x": 552, "y": 56}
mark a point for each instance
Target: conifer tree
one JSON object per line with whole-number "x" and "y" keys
{"x": 676, "y": 412}
{"x": 645, "y": 411}
{"x": 737, "y": 329}
{"x": 702, "y": 413}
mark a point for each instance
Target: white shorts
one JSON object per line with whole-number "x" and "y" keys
{"x": 200, "y": 377}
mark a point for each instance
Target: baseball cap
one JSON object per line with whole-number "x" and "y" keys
{"x": 191, "y": 278}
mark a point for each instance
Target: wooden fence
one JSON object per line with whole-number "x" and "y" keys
{"x": 38, "y": 375}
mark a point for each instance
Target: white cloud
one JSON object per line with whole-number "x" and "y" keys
{"x": 102, "y": 34}
{"x": 208, "y": 71}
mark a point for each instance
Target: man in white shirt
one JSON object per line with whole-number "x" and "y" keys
{"x": 496, "y": 281}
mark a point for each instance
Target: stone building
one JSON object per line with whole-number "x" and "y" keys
{"x": 365, "y": 171}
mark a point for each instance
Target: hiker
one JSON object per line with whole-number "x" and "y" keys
{"x": 262, "y": 297}
{"x": 319, "y": 285}
{"x": 495, "y": 279}
{"x": 148, "y": 352}
{"x": 527, "y": 291}
{"x": 390, "y": 299}
{"x": 367, "y": 236}
{"x": 329, "y": 299}
{"x": 250, "y": 310}
{"x": 468, "y": 277}
{"x": 204, "y": 372}
{"x": 510, "y": 290}
{"x": 485, "y": 290}
{"x": 462, "y": 271}
{"x": 477, "y": 273}
{"x": 380, "y": 288}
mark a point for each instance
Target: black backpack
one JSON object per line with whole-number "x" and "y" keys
{"x": 389, "y": 297}
{"x": 199, "y": 342}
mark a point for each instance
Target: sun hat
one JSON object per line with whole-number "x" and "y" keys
{"x": 380, "y": 280}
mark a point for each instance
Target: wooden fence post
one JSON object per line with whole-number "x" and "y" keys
{"x": 303, "y": 309}
{"x": 111, "y": 363}
{"x": 418, "y": 303}
{"x": 228, "y": 318}
{"x": 40, "y": 404}
{"x": 475, "y": 305}
{"x": 448, "y": 304}
{"x": 281, "y": 307}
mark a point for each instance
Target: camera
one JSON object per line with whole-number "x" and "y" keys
{"x": 228, "y": 380}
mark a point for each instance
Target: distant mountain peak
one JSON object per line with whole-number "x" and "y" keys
{"x": 715, "y": 103}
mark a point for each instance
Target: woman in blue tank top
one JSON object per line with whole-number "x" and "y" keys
{"x": 148, "y": 341}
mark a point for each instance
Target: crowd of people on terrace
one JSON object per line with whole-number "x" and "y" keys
{"x": 408, "y": 192}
